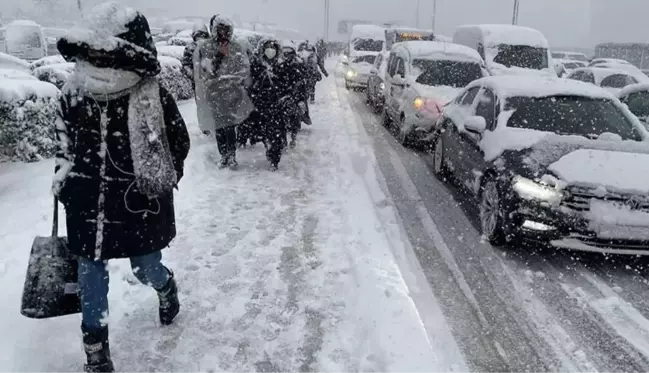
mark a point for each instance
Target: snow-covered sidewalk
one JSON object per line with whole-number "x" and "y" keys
{"x": 288, "y": 271}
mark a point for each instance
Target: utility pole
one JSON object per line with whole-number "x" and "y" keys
{"x": 417, "y": 14}
{"x": 434, "y": 14}
{"x": 79, "y": 6}
{"x": 515, "y": 15}
{"x": 326, "y": 20}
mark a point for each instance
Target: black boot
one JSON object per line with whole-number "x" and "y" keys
{"x": 95, "y": 344}
{"x": 169, "y": 304}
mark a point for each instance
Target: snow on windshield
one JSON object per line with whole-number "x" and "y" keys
{"x": 367, "y": 45}
{"x": 455, "y": 74}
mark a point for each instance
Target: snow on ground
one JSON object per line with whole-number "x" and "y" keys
{"x": 292, "y": 270}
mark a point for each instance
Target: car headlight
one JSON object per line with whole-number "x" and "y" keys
{"x": 351, "y": 73}
{"x": 382, "y": 86}
{"x": 419, "y": 103}
{"x": 531, "y": 190}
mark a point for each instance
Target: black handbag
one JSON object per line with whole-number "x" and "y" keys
{"x": 51, "y": 287}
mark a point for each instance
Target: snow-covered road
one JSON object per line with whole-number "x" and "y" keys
{"x": 305, "y": 269}
{"x": 513, "y": 309}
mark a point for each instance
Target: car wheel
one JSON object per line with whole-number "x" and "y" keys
{"x": 385, "y": 118}
{"x": 439, "y": 162}
{"x": 492, "y": 215}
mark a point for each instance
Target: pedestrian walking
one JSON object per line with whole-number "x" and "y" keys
{"x": 200, "y": 32}
{"x": 222, "y": 75}
{"x": 121, "y": 147}
{"x": 293, "y": 87}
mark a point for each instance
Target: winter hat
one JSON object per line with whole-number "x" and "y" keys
{"x": 219, "y": 20}
{"x": 113, "y": 36}
{"x": 200, "y": 30}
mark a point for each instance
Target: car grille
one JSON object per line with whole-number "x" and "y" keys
{"x": 578, "y": 199}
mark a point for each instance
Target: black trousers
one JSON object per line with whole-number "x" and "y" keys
{"x": 274, "y": 135}
{"x": 226, "y": 139}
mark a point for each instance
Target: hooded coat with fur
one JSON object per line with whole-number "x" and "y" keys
{"x": 107, "y": 215}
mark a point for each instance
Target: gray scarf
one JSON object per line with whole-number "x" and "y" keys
{"x": 153, "y": 166}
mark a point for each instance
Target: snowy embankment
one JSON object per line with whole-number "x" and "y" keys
{"x": 294, "y": 270}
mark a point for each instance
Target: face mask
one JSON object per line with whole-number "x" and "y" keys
{"x": 270, "y": 53}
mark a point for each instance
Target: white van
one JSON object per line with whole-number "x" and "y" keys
{"x": 365, "y": 43}
{"x": 508, "y": 49}
{"x": 26, "y": 40}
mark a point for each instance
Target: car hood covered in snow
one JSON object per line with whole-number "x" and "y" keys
{"x": 575, "y": 160}
{"x": 614, "y": 170}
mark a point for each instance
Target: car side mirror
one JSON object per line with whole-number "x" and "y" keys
{"x": 476, "y": 124}
{"x": 373, "y": 72}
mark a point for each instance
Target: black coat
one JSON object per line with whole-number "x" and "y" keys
{"x": 127, "y": 231}
{"x": 265, "y": 91}
{"x": 292, "y": 84}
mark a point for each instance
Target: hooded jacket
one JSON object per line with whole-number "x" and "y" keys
{"x": 199, "y": 33}
{"x": 221, "y": 81}
{"x": 108, "y": 215}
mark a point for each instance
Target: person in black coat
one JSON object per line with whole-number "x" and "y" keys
{"x": 121, "y": 147}
{"x": 293, "y": 87}
{"x": 200, "y": 32}
{"x": 266, "y": 94}
{"x": 314, "y": 67}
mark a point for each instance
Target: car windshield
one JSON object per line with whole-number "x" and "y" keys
{"x": 638, "y": 104}
{"x": 365, "y": 59}
{"x": 617, "y": 81}
{"x": 570, "y": 115}
{"x": 571, "y": 65}
{"x": 456, "y": 74}
{"x": 522, "y": 56}
{"x": 558, "y": 55}
{"x": 18, "y": 36}
{"x": 368, "y": 45}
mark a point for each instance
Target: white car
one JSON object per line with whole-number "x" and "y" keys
{"x": 422, "y": 77}
{"x": 571, "y": 56}
{"x": 565, "y": 67}
{"x": 550, "y": 160}
{"x": 357, "y": 71}
{"x": 613, "y": 80}
{"x": 599, "y": 61}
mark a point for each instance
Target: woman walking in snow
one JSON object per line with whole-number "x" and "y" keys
{"x": 222, "y": 74}
{"x": 266, "y": 93}
{"x": 293, "y": 86}
{"x": 199, "y": 33}
{"x": 121, "y": 148}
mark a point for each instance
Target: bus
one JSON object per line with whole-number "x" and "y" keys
{"x": 399, "y": 34}
{"x": 636, "y": 53}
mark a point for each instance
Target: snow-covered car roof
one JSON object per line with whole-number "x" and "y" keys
{"x": 187, "y": 33}
{"x": 633, "y": 88}
{"x": 438, "y": 50}
{"x": 495, "y": 34}
{"x": 506, "y": 86}
{"x": 9, "y": 61}
{"x": 601, "y": 73}
{"x": 608, "y": 60}
{"x": 367, "y": 31}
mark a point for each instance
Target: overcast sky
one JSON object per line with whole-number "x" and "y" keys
{"x": 564, "y": 22}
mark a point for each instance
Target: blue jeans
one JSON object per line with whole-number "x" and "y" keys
{"x": 93, "y": 283}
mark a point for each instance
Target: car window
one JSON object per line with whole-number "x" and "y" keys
{"x": 487, "y": 108}
{"x": 470, "y": 96}
{"x": 588, "y": 77}
{"x": 392, "y": 65}
{"x": 577, "y": 75}
{"x": 571, "y": 115}
{"x": 618, "y": 81}
{"x": 638, "y": 103}
{"x": 401, "y": 67}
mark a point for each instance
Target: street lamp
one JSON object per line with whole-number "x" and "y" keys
{"x": 515, "y": 15}
{"x": 434, "y": 14}
{"x": 417, "y": 13}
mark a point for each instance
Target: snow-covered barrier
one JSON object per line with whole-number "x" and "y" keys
{"x": 46, "y": 61}
{"x": 174, "y": 51}
{"x": 56, "y": 74}
{"x": 27, "y": 113}
{"x": 172, "y": 78}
